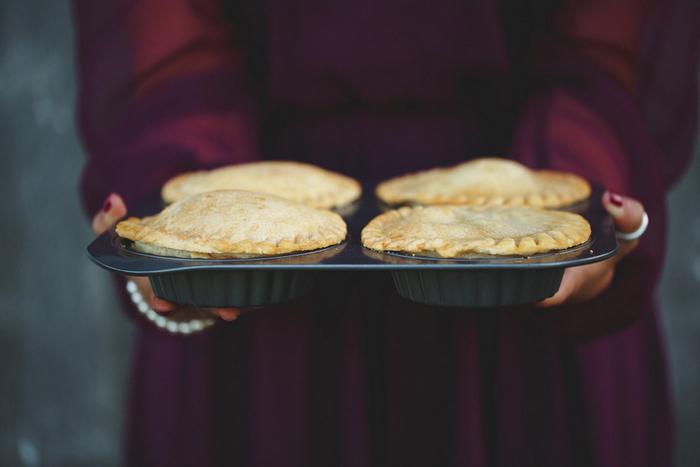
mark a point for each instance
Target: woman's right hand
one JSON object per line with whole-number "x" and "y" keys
{"x": 114, "y": 209}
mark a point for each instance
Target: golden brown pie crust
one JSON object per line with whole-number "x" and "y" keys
{"x": 234, "y": 223}
{"x": 305, "y": 183}
{"x": 486, "y": 181}
{"x": 453, "y": 231}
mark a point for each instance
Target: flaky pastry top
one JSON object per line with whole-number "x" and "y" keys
{"x": 297, "y": 181}
{"x": 234, "y": 223}
{"x": 485, "y": 181}
{"x": 452, "y": 231}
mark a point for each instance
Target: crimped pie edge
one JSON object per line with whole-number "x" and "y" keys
{"x": 133, "y": 229}
{"x": 391, "y": 191}
{"x": 347, "y": 189}
{"x": 375, "y": 238}
{"x": 331, "y": 231}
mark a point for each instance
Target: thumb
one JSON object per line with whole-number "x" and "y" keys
{"x": 627, "y": 216}
{"x": 112, "y": 210}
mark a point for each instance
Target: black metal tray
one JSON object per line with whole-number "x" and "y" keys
{"x": 436, "y": 281}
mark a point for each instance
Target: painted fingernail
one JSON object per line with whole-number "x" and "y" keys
{"x": 616, "y": 198}
{"x": 108, "y": 204}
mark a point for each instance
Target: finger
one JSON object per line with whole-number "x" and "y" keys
{"x": 627, "y": 216}
{"x": 112, "y": 210}
{"x": 143, "y": 284}
{"x": 582, "y": 283}
{"x": 230, "y": 314}
{"x": 627, "y": 212}
{"x": 161, "y": 306}
{"x": 227, "y": 314}
{"x": 565, "y": 289}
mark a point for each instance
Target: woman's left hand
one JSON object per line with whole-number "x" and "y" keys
{"x": 583, "y": 283}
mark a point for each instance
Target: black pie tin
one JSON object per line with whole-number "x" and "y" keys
{"x": 483, "y": 283}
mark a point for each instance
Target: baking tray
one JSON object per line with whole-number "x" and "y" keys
{"x": 482, "y": 283}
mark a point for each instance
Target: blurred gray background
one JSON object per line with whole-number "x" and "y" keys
{"x": 65, "y": 346}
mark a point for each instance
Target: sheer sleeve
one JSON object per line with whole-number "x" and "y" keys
{"x": 162, "y": 89}
{"x": 587, "y": 116}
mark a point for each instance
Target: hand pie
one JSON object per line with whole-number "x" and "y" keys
{"x": 486, "y": 181}
{"x": 451, "y": 231}
{"x": 297, "y": 181}
{"x": 234, "y": 224}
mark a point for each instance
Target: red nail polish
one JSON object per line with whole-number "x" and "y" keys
{"x": 616, "y": 199}
{"x": 108, "y": 204}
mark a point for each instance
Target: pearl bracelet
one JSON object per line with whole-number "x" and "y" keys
{"x": 162, "y": 322}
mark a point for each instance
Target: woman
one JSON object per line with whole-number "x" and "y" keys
{"x": 353, "y": 374}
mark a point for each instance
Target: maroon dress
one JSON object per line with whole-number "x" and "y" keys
{"x": 353, "y": 374}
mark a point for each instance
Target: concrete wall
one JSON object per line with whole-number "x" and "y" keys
{"x": 64, "y": 345}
